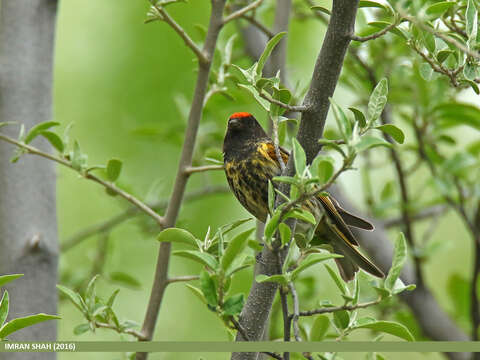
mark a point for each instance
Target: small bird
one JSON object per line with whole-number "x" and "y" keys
{"x": 250, "y": 162}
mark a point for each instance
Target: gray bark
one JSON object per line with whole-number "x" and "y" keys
{"x": 28, "y": 227}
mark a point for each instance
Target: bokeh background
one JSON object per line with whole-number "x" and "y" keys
{"x": 126, "y": 86}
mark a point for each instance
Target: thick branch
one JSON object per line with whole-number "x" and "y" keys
{"x": 161, "y": 274}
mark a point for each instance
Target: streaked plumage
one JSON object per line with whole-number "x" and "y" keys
{"x": 250, "y": 161}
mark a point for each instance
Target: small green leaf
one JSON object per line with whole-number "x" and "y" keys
{"x": 341, "y": 319}
{"x": 268, "y": 50}
{"x": 197, "y": 292}
{"x": 74, "y": 297}
{"x": 272, "y": 224}
{"x": 82, "y": 328}
{"x": 319, "y": 328}
{"x": 343, "y": 122}
{"x": 23, "y": 322}
{"x": 399, "y": 258}
{"x": 4, "y": 307}
{"x": 90, "y": 292}
{"x": 312, "y": 260}
{"x": 114, "y": 167}
{"x": 301, "y": 214}
{"x": 125, "y": 279}
{"x": 367, "y": 3}
{"x": 234, "y": 248}
{"x": 426, "y": 71}
{"x": 271, "y": 197}
{"x": 261, "y": 101}
{"x": 299, "y": 157}
{"x": 470, "y": 71}
{"x": 281, "y": 279}
{"x": 285, "y": 233}
{"x": 442, "y": 55}
{"x": 325, "y": 170}
{"x": 37, "y": 129}
{"x": 4, "y": 279}
{"x": 471, "y": 17}
{"x": 234, "y": 305}
{"x": 255, "y": 245}
{"x": 436, "y": 10}
{"x": 209, "y": 290}
{"x": 388, "y": 327}
{"x": 359, "y": 116}
{"x": 377, "y": 101}
{"x": 177, "y": 235}
{"x": 55, "y": 140}
{"x": 321, "y": 9}
{"x": 112, "y": 298}
{"x": 338, "y": 281}
{"x": 392, "y": 130}
{"x": 367, "y": 142}
{"x": 200, "y": 257}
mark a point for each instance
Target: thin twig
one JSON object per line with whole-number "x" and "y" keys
{"x": 202, "y": 57}
{"x": 196, "y": 169}
{"x": 296, "y": 311}
{"x": 259, "y": 25}
{"x": 292, "y": 108}
{"x": 182, "y": 279}
{"x": 242, "y": 11}
{"x": 132, "y": 332}
{"x": 373, "y": 36}
{"x": 108, "y": 185}
{"x": 326, "y": 310}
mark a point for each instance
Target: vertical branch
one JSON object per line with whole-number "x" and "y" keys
{"x": 28, "y": 229}
{"x": 196, "y": 110}
{"x": 475, "y": 307}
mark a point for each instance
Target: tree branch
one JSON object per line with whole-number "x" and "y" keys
{"x": 296, "y": 311}
{"x": 132, "y": 332}
{"x": 106, "y": 184}
{"x": 196, "y": 169}
{"x": 292, "y": 108}
{"x": 182, "y": 278}
{"x": 196, "y": 110}
{"x": 327, "y": 310}
{"x": 242, "y": 11}
{"x": 373, "y": 36}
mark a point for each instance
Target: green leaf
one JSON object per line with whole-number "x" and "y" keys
{"x": 271, "y": 197}
{"x": 367, "y": 142}
{"x": 272, "y": 224}
{"x": 37, "y": 129}
{"x": 125, "y": 279}
{"x": 234, "y": 305}
{"x": 255, "y": 245}
{"x": 395, "y": 132}
{"x": 90, "y": 292}
{"x": 261, "y": 101}
{"x": 366, "y": 3}
{"x": 436, "y": 10}
{"x": 4, "y": 279}
{"x": 112, "y": 298}
{"x": 235, "y": 248}
{"x": 282, "y": 95}
{"x": 55, "y": 140}
{"x": 325, "y": 170}
{"x": 312, "y": 260}
{"x": 377, "y": 101}
{"x": 388, "y": 327}
{"x": 359, "y": 116}
{"x": 285, "y": 233}
{"x": 455, "y": 114}
{"x": 197, "y": 292}
{"x": 343, "y": 123}
{"x": 399, "y": 258}
{"x": 471, "y": 17}
{"x": 338, "y": 281}
{"x": 77, "y": 159}
{"x": 395, "y": 30}
{"x": 177, "y": 235}
{"x": 23, "y": 322}
{"x": 200, "y": 257}
{"x": 4, "y": 307}
{"x": 74, "y": 297}
{"x": 442, "y": 55}
{"x": 82, "y": 328}
{"x": 209, "y": 290}
{"x": 299, "y": 157}
{"x": 321, "y": 9}
{"x": 470, "y": 71}
{"x": 114, "y": 167}
{"x": 341, "y": 319}
{"x": 426, "y": 71}
{"x": 301, "y": 214}
{"x": 319, "y": 328}
{"x": 268, "y": 50}
{"x": 281, "y": 279}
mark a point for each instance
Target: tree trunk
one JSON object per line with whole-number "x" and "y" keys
{"x": 28, "y": 227}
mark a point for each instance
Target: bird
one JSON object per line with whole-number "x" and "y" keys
{"x": 251, "y": 161}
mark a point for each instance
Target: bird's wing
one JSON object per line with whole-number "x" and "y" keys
{"x": 352, "y": 220}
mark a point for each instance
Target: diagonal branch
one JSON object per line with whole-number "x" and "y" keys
{"x": 241, "y": 12}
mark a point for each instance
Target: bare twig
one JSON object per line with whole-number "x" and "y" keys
{"x": 421, "y": 215}
{"x": 108, "y": 185}
{"x": 332, "y": 309}
{"x": 109, "y": 224}
{"x": 292, "y": 108}
{"x": 270, "y": 34}
{"x": 196, "y": 169}
{"x": 296, "y": 311}
{"x": 182, "y": 279}
{"x": 173, "y": 209}
{"x": 132, "y": 332}
{"x": 242, "y": 11}
{"x": 202, "y": 57}
{"x": 375, "y": 35}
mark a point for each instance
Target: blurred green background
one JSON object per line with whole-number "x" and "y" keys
{"x": 122, "y": 84}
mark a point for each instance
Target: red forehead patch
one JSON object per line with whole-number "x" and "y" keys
{"x": 239, "y": 115}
